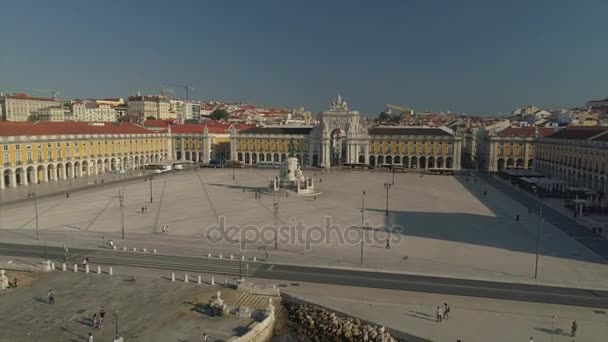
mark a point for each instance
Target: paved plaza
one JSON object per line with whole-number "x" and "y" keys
{"x": 450, "y": 227}
{"x": 151, "y": 309}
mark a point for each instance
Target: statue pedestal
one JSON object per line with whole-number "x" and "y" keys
{"x": 3, "y": 280}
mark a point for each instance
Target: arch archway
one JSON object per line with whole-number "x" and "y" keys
{"x": 414, "y": 162}
{"x": 30, "y": 174}
{"x": 389, "y": 159}
{"x": 510, "y": 163}
{"x": 448, "y": 163}
{"x": 283, "y": 157}
{"x": 239, "y": 156}
{"x": 519, "y": 163}
{"x": 41, "y": 173}
{"x": 178, "y": 155}
{"x": 315, "y": 160}
{"x": 77, "y": 169}
{"x": 306, "y": 161}
{"x": 422, "y": 162}
{"x": 51, "y": 173}
{"x": 247, "y": 160}
{"x": 397, "y": 160}
{"x": 7, "y": 178}
{"x": 380, "y": 160}
{"x": 501, "y": 164}
{"x": 530, "y": 163}
{"x": 275, "y": 158}
{"x": 254, "y": 158}
{"x": 431, "y": 163}
{"x": 337, "y": 146}
{"x": 187, "y": 155}
{"x": 262, "y": 157}
{"x": 439, "y": 162}
{"x": 406, "y": 161}
{"x": 268, "y": 157}
{"x": 372, "y": 160}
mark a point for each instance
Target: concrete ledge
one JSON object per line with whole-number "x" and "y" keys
{"x": 258, "y": 331}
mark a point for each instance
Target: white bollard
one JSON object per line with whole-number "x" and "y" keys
{"x": 225, "y": 281}
{"x": 200, "y": 281}
{"x": 242, "y": 257}
{"x": 154, "y": 251}
{"x": 124, "y": 248}
{"x": 134, "y": 249}
{"x": 114, "y": 247}
{"x": 172, "y": 276}
{"x": 212, "y": 280}
{"x": 98, "y": 269}
{"x": 254, "y": 258}
{"x": 75, "y": 267}
{"x": 220, "y": 256}
{"x": 86, "y": 268}
{"x": 110, "y": 271}
{"x": 209, "y": 255}
{"x": 231, "y": 256}
{"x": 186, "y": 278}
{"x": 52, "y": 265}
{"x": 145, "y": 250}
{"x": 64, "y": 267}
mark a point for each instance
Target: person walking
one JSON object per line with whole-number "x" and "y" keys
{"x": 439, "y": 314}
{"x": 90, "y": 339}
{"x": 51, "y": 296}
{"x": 517, "y": 217}
{"x": 446, "y": 310}
{"x": 206, "y": 338}
{"x": 574, "y": 328}
{"x": 388, "y": 243}
{"x": 102, "y": 315}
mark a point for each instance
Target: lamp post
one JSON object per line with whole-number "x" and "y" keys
{"x": 33, "y": 194}
{"x": 150, "y": 179}
{"x": 387, "y": 186}
{"x": 540, "y": 222}
{"x": 121, "y": 200}
{"x": 276, "y": 220}
{"x": 362, "y": 223}
{"x": 116, "y": 326}
{"x": 233, "y": 171}
{"x": 393, "y": 172}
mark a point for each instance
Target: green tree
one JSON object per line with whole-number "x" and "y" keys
{"x": 150, "y": 117}
{"x": 33, "y": 117}
{"x": 219, "y": 114}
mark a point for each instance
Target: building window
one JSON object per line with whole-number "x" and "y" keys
{"x": 6, "y": 158}
{"x": 18, "y": 158}
{"x": 49, "y": 155}
{"x": 58, "y": 144}
{"x": 5, "y": 147}
{"x": 29, "y": 156}
{"x": 17, "y": 147}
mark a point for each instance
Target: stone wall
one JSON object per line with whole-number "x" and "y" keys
{"x": 258, "y": 331}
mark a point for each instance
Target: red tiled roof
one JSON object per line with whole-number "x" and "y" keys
{"x": 158, "y": 123}
{"x": 8, "y": 129}
{"x": 525, "y": 132}
{"x": 24, "y": 96}
{"x": 579, "y": 132}
{"x": 217, "y": 127}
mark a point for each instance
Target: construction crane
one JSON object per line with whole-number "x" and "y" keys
{"x": 187, "y": 88}
{"x": 405, "y": 111}
{"x": 164, "y": 91}
{"x": 53, "y": 92}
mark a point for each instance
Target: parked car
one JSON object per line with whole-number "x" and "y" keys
{"x": 235, "y": 163}
{"x": 214, "y": 163}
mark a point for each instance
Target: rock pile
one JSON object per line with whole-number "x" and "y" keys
{"x": 321, "y": 325}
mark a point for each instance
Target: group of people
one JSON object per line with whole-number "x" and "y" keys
{"x": 165, "y": 229}
{"x": 98, "y": 319}
{"x": 144, "y": 209}
{"x": 443, "y": 313}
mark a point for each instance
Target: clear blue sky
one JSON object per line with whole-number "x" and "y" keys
{"x": 478, "y": 57}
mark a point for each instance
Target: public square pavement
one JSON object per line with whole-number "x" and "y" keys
{"x": 150, "y": 309}
{"x": 451, "y": 228}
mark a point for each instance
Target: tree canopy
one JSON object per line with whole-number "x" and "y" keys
{"x": 219, "y": 114}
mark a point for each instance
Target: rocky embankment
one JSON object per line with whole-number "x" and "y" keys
{"x": 316, "y": 324}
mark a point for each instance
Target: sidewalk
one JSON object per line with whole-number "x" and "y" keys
{"x": 557, "y": 204}
{"x": 470, "y": 319}
{"x": 60, "y": 187}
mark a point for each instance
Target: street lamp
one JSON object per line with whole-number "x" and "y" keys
{"x": 393, "y": 172}
{"x": 540, "y": 222}
{"x": 362, "y": 223}
{"x": 150, "y": 179}
{"x": 121, "y": 200}
{"x": 276, "y": 220}
{"x": 116, "y": 326}
{"x": 233, "y": 171}
{"x": 33, "y": 194}
{"x": 387, "y": 186}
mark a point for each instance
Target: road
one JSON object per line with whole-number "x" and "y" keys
{"x": 576, "y": 231}
{"x": 406, "y": 282}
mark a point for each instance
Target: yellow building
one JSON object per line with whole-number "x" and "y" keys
{"x": 510, "y": 148}
{"x": 51, "y": 151}
{"x": 341, "y": 138}
{"x": 579, "y": 157}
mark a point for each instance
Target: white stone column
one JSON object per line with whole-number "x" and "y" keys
{"x": 24, "y": 177}
{"x": 35, "y": 175}
{"x": 2, "y": 179}
{"x": 14, "y": 179}
{"x": 64, "y": 173}
{"x": 72, "y": 171}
